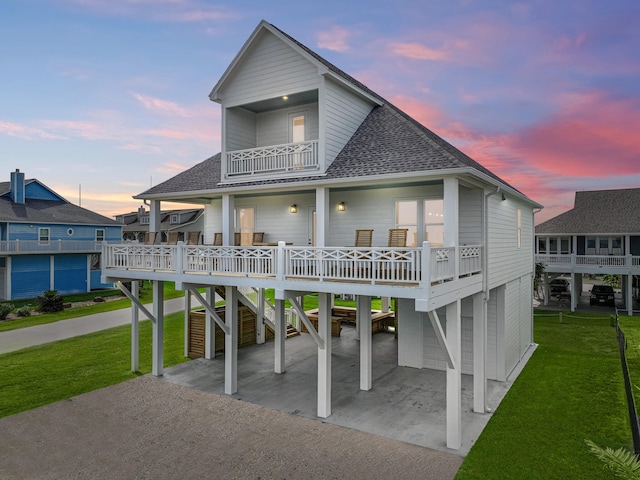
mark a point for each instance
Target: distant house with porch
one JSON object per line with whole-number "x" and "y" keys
{"x": 47, "y": 243}
{"x": 599, "y": 235}
{"x": 183, "y": 221}
{"x": 323, "y": 187}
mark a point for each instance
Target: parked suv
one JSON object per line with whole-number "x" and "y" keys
{"x": 602, "y": 295}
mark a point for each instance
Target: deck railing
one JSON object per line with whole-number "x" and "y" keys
{"x": 302, "y": 156}
{"x": 376, "y": 265}
{"x": 622, "y": 262}
{"x": 50, "y": 246}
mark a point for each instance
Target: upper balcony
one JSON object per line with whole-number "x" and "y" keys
{"x": 614, "y": 264}
{"x": 377, "y": 271}
{"x": 28, "y": 247}
{"x": 274, "y": 159}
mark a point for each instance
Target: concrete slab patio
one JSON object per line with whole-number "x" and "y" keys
{"x": 405, "y": 404}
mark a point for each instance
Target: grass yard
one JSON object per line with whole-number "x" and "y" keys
{"x": 41, "y": 375}
{"x": 630, "y": 326}
{"x": 571, "y": 390}
{"x": 145, "y": 297}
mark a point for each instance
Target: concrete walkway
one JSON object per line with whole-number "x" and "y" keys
{"x": 28, "y": 337}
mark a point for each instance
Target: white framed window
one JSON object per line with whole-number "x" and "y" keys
{"x": 434, "y": 222}
{"x": 245, "y": 224}
{"x": 424, "y": 218}
{"x": 144, "y": 220}
{"x": 69, "y": 231}
{"x": 95, "y": 261}
{"x": 407, "y": 217}
{"x": 542, "y": 244}
{"x": 99, "y": 234}
{"x": 44, "y": 234}
{"x": 175, "y": 219}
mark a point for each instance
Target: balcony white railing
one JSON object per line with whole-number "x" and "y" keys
{"x": 377, "y": 265}
{"x": 51, "y": 246}
{"x": 570, "y": 261}
{"x": 288, "y": 157}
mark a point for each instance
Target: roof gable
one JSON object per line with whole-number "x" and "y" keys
{"x": 598, "y": 212}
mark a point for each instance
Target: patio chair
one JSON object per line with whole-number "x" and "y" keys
{"x": 363, "y": 238}
{"x": 397, "y": 237}
{"x": 217, "y": 238}
{"x": 172, "y": 238}
{"x": 237, "y": 238}
{"x": 193, "y": 238}
{"x": 150, "y": 238}
{"x": 258, "y": 237}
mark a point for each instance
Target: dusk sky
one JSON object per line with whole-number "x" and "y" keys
{"x": 108, "y": 97}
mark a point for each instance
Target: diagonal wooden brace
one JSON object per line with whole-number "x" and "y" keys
{"x": 437, "y": 327}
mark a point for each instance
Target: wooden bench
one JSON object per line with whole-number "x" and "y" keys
{"x": 347, "y": 315}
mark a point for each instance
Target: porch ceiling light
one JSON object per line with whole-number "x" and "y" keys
{"x": 293, "y": 208}
{"x": 342, "y": 207}
{"x": 285, "y": 98}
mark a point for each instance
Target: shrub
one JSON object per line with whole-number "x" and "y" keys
{"x": 50, "y": 302}
{"x": 5, "y": 309}
{"x": 24, "y": 311}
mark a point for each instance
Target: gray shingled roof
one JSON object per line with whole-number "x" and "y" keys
{"x": 600, "y": 211}
{"x": 387, "y": 142}
{"x": 49, "y": 211}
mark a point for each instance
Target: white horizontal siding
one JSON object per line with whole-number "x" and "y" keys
{"x": 491, "y": 354}
{"x": 512, "y": 325}
{"x": 240, "y": 129}
{"x": 470, "y": 216}
{"x": 434, "y": 356}
{"x": 269, "y": 69}
{"x": 506, "y": 260}
{"x": 344, "y": 112}
{"x": 273, "y": 127}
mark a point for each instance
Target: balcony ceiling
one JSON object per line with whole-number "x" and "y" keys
{"x": 293, "y": 100}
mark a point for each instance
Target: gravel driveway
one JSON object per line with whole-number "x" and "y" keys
{"x": 147, "y": 428}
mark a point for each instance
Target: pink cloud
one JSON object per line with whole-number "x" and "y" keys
{"x": 418, "y": 51}
{"x": 335, "y": 39}
{"x": 25, "y": 132}
{"x": 158, "y": 105}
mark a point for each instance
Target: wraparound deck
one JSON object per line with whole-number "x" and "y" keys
{"x": 27, "y": 247}
{"x": 407, "y": 272}
{"x": 616, "y": 264}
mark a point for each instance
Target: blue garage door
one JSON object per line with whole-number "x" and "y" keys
{"x": 29, "y": 275}
{"x": 70, "y": 273}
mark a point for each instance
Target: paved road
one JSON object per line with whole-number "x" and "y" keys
{"x": 73, "y": 327}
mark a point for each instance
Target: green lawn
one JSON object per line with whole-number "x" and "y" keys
{"x": 571, "y": 390}
{"x": 40, "y": 375}
{"x": 145, "y": 297}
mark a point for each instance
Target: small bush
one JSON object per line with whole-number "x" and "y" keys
{"x": 5, "y": 309}
{"x": 24, "y": 311}
{"x": 50, "y": 302}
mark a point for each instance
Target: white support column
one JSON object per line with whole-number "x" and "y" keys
{"x": 629, "y": 291}
{"x": 231, "y": 341}
{"x": 324, "y": 355}
{"x": 157, "y": 356}
{"x": 209, "y": 326}
{"x": 451, "y": 212}
{"x": 187, "y": 310}
{"x": 323, "y": 214}
{"x": 155, "y": 218}
{"x": 479, "y": 353}
{"x": 228, "y": 220}
{"x": 135, "y": 332}
{"x": 454, "y": 377}
{"x": 261, "y": 334}
{"x": 363, "y": 314}
{"x": 280, "y": 334}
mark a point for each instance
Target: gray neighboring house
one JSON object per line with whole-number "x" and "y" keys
{"x": 136, "y": 224}
{"x": 599, "y": 235}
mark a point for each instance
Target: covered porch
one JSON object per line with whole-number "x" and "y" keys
{"x": 407, "y": 404}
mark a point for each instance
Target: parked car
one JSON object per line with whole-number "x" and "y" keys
{"x": 602, "y": 295}
{"x": 558, "y": 286}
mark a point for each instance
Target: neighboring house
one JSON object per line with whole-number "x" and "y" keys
{"x": 310, "y": 155}
{"x": 47, "y": 243}
{"x": 136, "y": 224}
{"x": 600, "y": 235}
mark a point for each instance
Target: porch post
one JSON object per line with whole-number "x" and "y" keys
{"x": 363, "y": 315}
{"x": 280, "y": 334}
{"x": 135, "y": 332}
{"x": 451, "y": 212}
{"x": 231, "y": 341}
{"x": 187, "y": 310}
{"x": 260, "y": 328}
{"x": 228, "y": 205}
{"x": 209, "y": 326}
{"x": 629, "y": 290}
{"x": 479, "y": 352}
{"x": 157, "y": 356}
{"x": 155, "y": 217}
{"x": 454, "y": 377}
{"x": 323, "y": 213}
{"x": 324, "y": 355}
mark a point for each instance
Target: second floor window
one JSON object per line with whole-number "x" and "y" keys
{"x": 100, "y": 235}
{"x": 43, "y": 235}
{"x": 144, "y": 220}
{"x": 175, "y": 219}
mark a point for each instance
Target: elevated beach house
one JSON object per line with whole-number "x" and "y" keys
{"x": 323, "y": 187}
{"x": 48, "y": 243}
{"x": 600, "y": 235}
